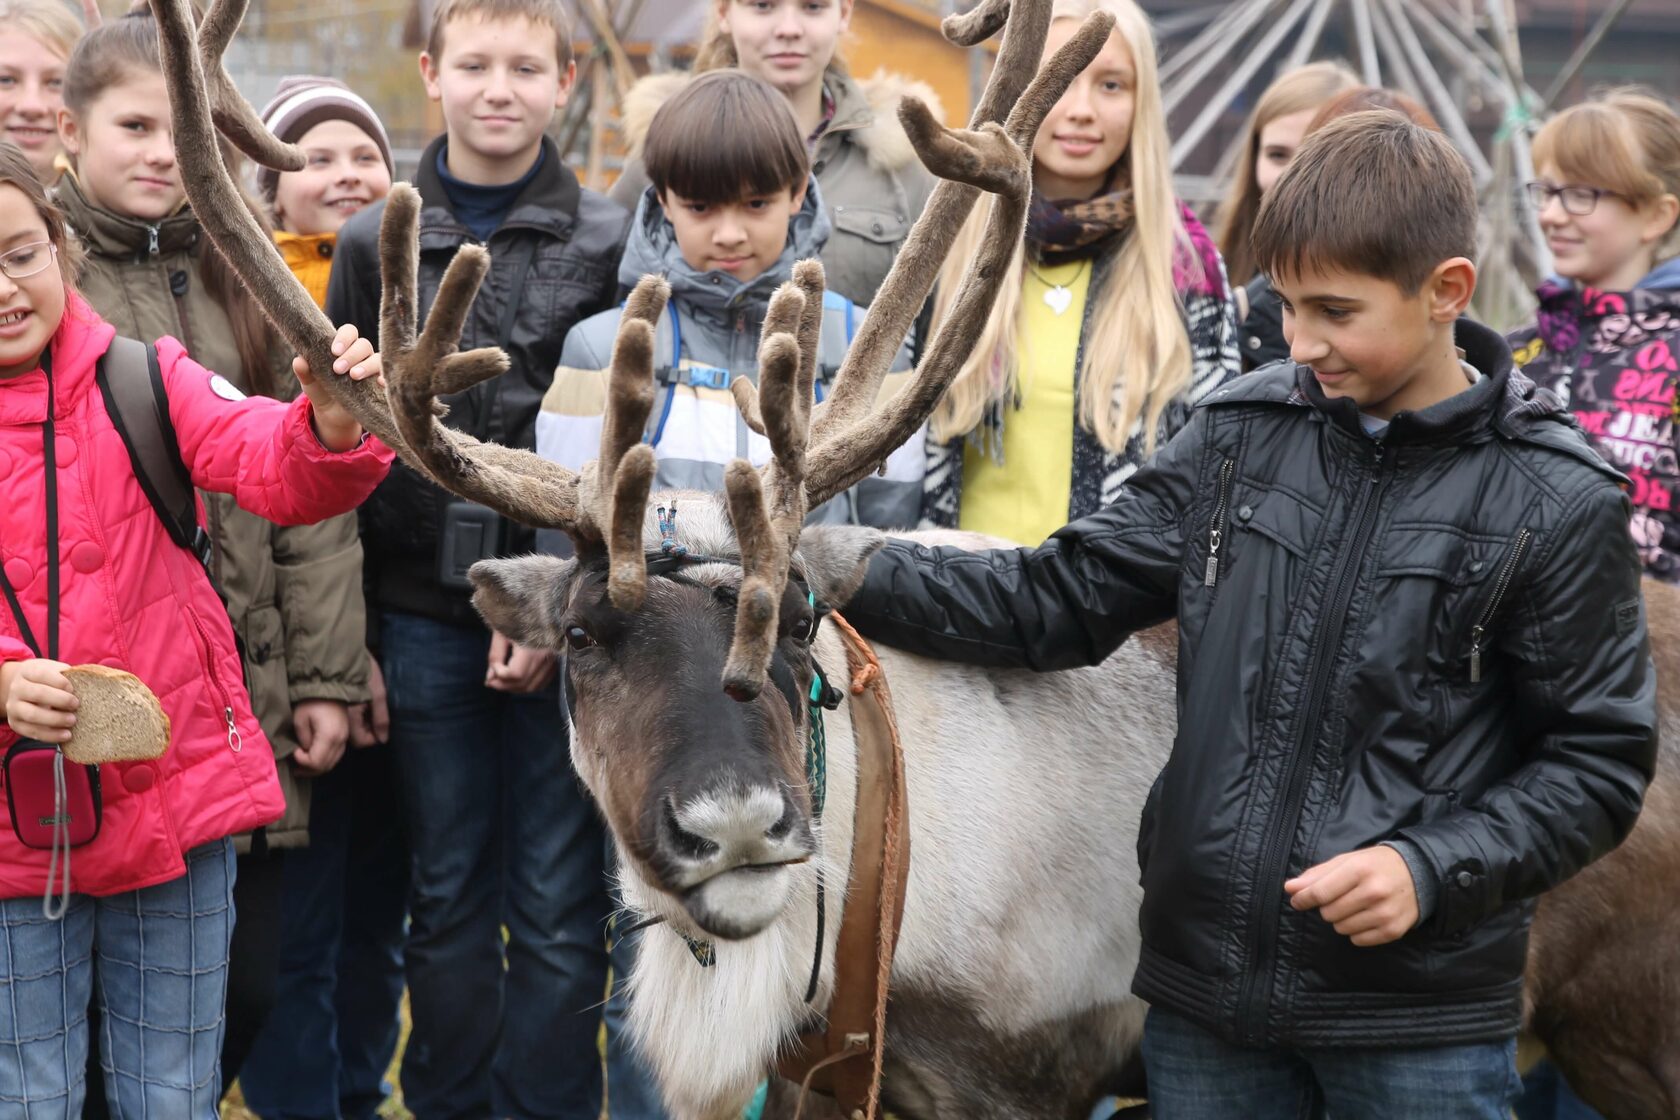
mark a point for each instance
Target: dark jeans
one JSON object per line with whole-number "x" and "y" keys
{"x": 254, "y": 956}
{"x": 503, "y": 836}
{"x": 334, "y": 1026}
{"x": 631, "y": 1092}
{"x": 1194, "y": 1075}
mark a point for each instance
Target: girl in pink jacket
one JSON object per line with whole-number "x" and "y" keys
{"x": 150, "y": 893}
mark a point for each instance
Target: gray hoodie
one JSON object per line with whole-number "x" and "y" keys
{"x": 708, "y": 337}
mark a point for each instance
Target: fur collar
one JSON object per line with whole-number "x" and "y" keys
{"x": 865, "y": 112}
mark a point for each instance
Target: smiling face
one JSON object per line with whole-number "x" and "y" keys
{"x": 788, "y": 43}
{"x": 1611, "y": 248}
{"x": 31, "y": 94}
{"x": 1367, "y": 340}
{"x": 31, "y": 307}
{"x": 343, "y": 172}
{"x": 499, "y": 81}
{"x": 1278, "y": 141}
{"x": 743, "y": 238}
{"x": 123, "y": 148}
{"x": 1088, "y": 131}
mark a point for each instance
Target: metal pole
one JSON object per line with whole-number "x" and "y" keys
{"x": 1217, "y": 104}
{"x": 1605, "y": 23}
{"x": 1214, "y": 54}
{"x": 1445, "y": 108}
{"x": 1310, "y": 34}
{"x": 1388, "y": 48}
{"x": 1196, "y": 48}
{"x": 1369, "y": 70}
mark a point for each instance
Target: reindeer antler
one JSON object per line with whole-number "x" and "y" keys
{"x": 818, "y": 450}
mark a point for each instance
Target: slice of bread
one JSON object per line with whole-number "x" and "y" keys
{"x": 119, "y": 719}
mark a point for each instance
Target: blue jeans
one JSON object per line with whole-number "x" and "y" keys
{"x": 503, "y": 835}
{"x": 329, "y": 1040}
{"x": 631, "y": 1093}
{"x": 1547, "y": 1096}
{"x": 163, "y": 955}
{"x": 1193, "y": 1075}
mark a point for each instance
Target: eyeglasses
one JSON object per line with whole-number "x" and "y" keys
{"x": 27, "y": 260}
{"x": 1579, "y": 201}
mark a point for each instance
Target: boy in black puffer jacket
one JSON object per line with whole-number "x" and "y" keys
{"x": 1415, "y": 689}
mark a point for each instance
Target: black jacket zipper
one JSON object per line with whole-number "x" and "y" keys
{"x": 1507, "y": 571}
{"x": 1216, "y": 527}
{"x": 1274, "y": 854}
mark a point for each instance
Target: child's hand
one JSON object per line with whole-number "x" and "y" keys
{"x": 38, "y": 700}
{"x": 1368, "y": 895}
{"x": 337, "y": 429}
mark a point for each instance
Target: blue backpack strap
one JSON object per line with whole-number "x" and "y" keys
{"x": 841, "y": 312}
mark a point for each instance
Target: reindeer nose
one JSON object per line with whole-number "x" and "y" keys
{"x": 722, "y": 830}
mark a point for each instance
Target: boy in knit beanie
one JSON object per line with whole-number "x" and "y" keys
{"x": 348, "y": 166}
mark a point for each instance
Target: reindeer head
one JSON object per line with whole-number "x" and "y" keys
{"x": 671, "y": 630}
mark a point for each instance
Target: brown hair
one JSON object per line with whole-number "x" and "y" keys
{"x": 48, "y": 22}
{"x": 1295, "y": 91}
{"x": 1365, "y": 98}
{"x": 1625, "y": 140}
{"x": 759, "y": 152}
{"x": 1372, "y": 193}
{"x": 109, "y": 54}
{"x": 17, "y": 171}
{"x": 549, "y": 13}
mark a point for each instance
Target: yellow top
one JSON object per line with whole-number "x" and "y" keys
{"x": 310, "y": 259}
{"x": 1025, "y": 498}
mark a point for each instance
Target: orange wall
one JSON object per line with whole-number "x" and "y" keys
{"x": 904, "y": 38}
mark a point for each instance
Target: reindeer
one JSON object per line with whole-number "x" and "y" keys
{"x": 1010, "y": 984}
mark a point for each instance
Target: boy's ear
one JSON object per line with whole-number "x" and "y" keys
{"x": 568, "y": 78}
{"x": 797, "y": 196}
{"x": 1449, "y": 288}
{"x": 429, "y": 76}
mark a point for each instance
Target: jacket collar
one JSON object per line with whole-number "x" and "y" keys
{"x": 109, "y": 234}
{"x": 652, "y": 249}
{"x": 1504, "y": 403}
{"x": 81, "y": 338}
{"x": 548, "y": 204}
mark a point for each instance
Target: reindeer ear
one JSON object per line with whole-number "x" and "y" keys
{"x": 521, "y": 598}
{"x": 835, "y": 557}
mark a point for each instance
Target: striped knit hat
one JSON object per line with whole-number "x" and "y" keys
{"x": 301, "y": 103}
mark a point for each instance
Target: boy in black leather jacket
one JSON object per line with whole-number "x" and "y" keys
{"x": 1414, "y": 683}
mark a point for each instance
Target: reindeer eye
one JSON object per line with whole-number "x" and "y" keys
{"x": 803, "y": 629}
{"x": 579, "y": 639}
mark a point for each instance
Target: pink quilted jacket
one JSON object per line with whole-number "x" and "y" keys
{"x": 132, "y": 599}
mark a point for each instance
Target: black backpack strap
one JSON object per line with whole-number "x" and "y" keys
{"x": 131, "y": 382}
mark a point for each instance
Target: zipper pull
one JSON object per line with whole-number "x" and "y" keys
{"x": 1477, "y": 633}
{"x": 235, "y": 740}
{"x": 1212, "y": 576}
{"x": 152, "y": 241}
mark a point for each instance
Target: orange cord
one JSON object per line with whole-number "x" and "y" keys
{"x": 866, "y": 667}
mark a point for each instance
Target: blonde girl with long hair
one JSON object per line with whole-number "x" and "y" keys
{"x": 36, "y": 38}
{"x": 1116, "y": 320}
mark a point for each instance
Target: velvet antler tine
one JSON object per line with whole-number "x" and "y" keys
{"x": 399, "y": 254}
{"x": 764, "y": 555}
{"x": 629, "y": 392}
{"x": 785, "y": 423}
{"x": 973, "y": 27}
{"x": 627, "y": 563}
{"x": 459, "y": 372}
{"x": 1056, "y": 76}
{"x": 441, "y": 335}
{"x": 746, "y": 400}
{"x": 812, "y": 282}
{"x": 231, "y": 113}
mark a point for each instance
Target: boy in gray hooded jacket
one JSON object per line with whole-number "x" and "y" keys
{"x": 729, "y": 212}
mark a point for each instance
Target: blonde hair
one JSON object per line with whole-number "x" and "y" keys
{"x": 1136, "y": 353}
{"x": 1625, "y": 140}
{"x": 49, "y": 22}
{"x": 1295, "y": 91}
{"x": 717, "y": 46}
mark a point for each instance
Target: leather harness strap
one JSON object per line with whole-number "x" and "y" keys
{"x": 845, "y": 1060}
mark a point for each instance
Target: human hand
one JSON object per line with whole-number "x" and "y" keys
{"x": 322, "y": 728}
{"x": 355, "y": 358}
{"x": 1368, "y": 895}
{"x": 517, "y": 668}
{"x": 370, "y": 723}
{"x": 38, "y": 700}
